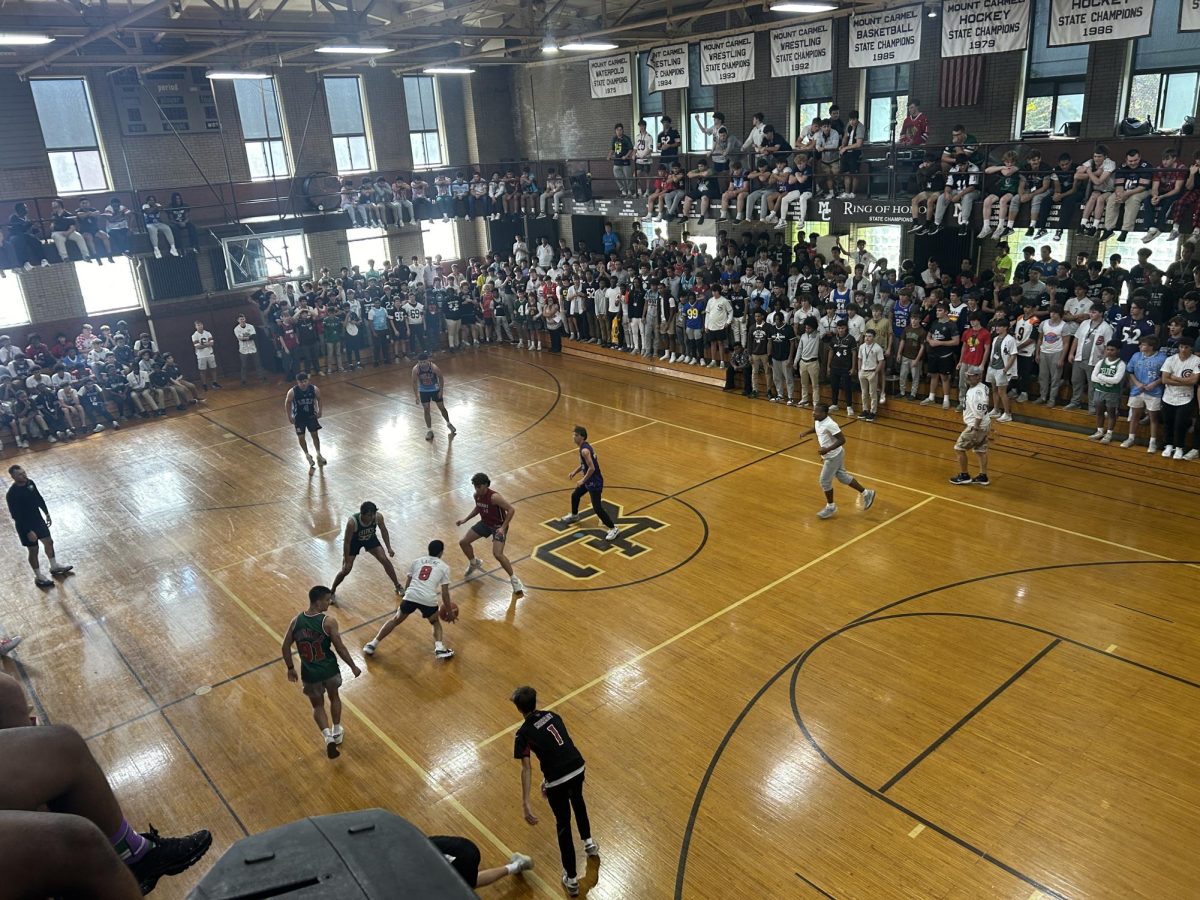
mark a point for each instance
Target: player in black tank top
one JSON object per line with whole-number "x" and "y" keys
{"x": 359, "y": 534}
{"x": 591, "y": 483}
{"x": 303, "y": 408}
{"x": 428, "y": 383}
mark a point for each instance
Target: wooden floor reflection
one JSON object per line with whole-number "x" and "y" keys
{"x": 962, "y": 692}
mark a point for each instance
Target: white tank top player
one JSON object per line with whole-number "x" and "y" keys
{"x": 426, "y": 591}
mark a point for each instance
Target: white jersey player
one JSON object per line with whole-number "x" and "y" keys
{"x": 426, "y": 591}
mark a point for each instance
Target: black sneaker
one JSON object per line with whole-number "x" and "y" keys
{"x": 1029, "y": 232}
{"x": 961, "y": 478}
{"x": 917, "y": 229}
{"x": 932, "y": 231}
{"x": 169, "y": 856}
{"x": 1124, "y": 235}
{"x": 981, "y": 480}
{"x": 1041, "y": 233}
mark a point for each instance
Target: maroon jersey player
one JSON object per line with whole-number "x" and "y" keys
{"x": 495, "y": 516}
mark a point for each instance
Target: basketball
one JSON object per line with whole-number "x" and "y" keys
{"x": 449, "y": 613}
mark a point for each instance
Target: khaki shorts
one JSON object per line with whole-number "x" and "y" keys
{"x": 206, "y": 362}
{"x": 316, "y": 689}
{"x": 829, "y": 168}
{"x": 1153, "y": 404}
{"x": 973, "y": 439}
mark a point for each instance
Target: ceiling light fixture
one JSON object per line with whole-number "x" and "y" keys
{"x": 548, "y": 45}
{"x": 447, "y": 70}
{"x": 16, "y": 39}
{"x": 224, "y": 75}
{"x": 803, "y": 7}
{"x": 351, "y": 48}
{"x": 932, "y": 14}
{"x": 588, "y": 46}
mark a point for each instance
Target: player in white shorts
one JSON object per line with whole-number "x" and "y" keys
{"x": 427, "y": 591}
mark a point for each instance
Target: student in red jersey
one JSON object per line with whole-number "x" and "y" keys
{"x": 976, "y": 341}
{"x": 495, "y": 516}
{"x": 544, "y": 734}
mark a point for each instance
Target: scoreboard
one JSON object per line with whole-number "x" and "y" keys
{"x": 180, "y": 97}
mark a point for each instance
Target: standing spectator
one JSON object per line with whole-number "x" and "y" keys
{"x": 621, "y": 155}
{"x": 180, "y": 215}
{"x": 643, "y": 159}
{"x": 851, "y": 150}
{"x": 942, "y": 353}
{"x": 1132, "y": 185}
{"x": 1146, "y": 388}
{"x": 1166, "y": 188}
{"x": 843, "y": 360}
{"x": 870, "y": 363}
{"x": 915, "y": 129}
{"x": 759, "y": 348}
{"x": 976, "y": 430}
{"x": 718, "y": 313}
{"x": 755, "y": 137}
{"x": 1088, "y": 349}
{"x": 1180, "y": 374}
{"x": 206, "y": 357}
{"x": 64, "y": 227}
{"x": 245, "y": 334}
{"x": 827, "y": 146}
{"x": 669, "y": 142}
{"x": 976, "y": 346}
{"x": 1002, "y": 368}
{"x": 152, "y": 212}
{"x": 1108, "y": 376}
{"x": 782, "y": 342}
{"x": 1026, "y": 334}
{"x": 1051, "y": 357}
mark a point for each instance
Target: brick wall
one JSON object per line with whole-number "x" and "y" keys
{"x": 559, "y": 118}
{"x": 388, "y": 117}
{"x": 1102, "y": 94}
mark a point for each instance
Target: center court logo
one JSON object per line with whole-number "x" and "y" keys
{"x": 579, "y": 543}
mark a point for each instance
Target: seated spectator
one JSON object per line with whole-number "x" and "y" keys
{"x": 798, "y": 190}
{"x": 1003, "y": 198}
{"x": 401, "y": 203}
{"x": 116, "y": 225}
{"x": 152, "y": 213}
{"x": 1098, "y": 174}
{"x": 915, "y": 129}
{"x": 931, "y": 184}
{"x": 88, "y": 221}
{"x": 962, "y": 187}
{"x": 552, "y": 198}
{"x": 22, "y": 236}
{"x": 1131, "y": 187}
{"x": 704, "y": 189}
{"x": 512, "y": 194}
{"x": 739, "y": 188}
{"x": 443, "y": 200}
{"x": 375, "y": 213}
{"x": 478, "y": 205}
{"x": 529, "y": 192}
{"x": 180, "y": 215}
{"x": 496, "y": 196}
{"x": 960, "y": 142}
{"x": 423, "y": 204}
{"x": 460, "y": 190}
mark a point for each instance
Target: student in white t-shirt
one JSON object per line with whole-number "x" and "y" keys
{"x": 427, "y": 591}
{"x": 248, "y": 349}
{"x": 206, "y": 357}
{"x": 1051, "y": 346}
{"x": 1180, "y": 374}
{"x": 831, "y": 442}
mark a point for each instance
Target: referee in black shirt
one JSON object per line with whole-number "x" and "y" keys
{"x": 32, "y": 520}
{"x": 546, "y": 736}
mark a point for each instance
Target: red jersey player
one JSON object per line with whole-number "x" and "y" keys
{"x": 495, "y": 516}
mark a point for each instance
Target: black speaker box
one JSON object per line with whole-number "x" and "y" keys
{"x": 590, "y": 230}
{"x": 173, "y": 276}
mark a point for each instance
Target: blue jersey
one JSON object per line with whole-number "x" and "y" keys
{"x": 597, "y": 480}
{"x": 900, "y": 318}
{"x": 427, "y": 379}
{"x": 1130, "y": 331}
{"x": 842, "y": 300}
{"x": 1146, "y": 369}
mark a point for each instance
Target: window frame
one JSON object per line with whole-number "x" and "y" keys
{"x": 365, "y": 134}
{"x": 85, "y": 271}
{"x": 438, "y": 132}
{"x": 896, "y": 93}
{"x": 1057, "y": 87}
{"x": 74, "y": 151}
{"x": 265, "y": 145}
{"x": 804, "y": 101}
{"x": 15, "y": 286}
{"x": 697, "y": 141}
{"x": 1164, "y": 75}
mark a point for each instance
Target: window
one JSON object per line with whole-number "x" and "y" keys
{"x": 262, "y": 129}
{"x": 1163, "y": 252}
{"x": 13, "y": 310}
{"x": 883, "y": 242}
{"x": 887, "y": 101}
{"x": 348, "y": 122}
{"x": 420, "y": 96}
{"x": 251, "y": 260}
{"x": 64, "y": 110}
{"x": 814, "y": 96}
{"x": 108, "y": 288}
{"x": 1165, "y": 78}
{"x": 1054, "y": 81}
{"x": 650, "y": 105}
{"x": 701, "y": 101}
{"x": 440, "y": 239}
{"x": 366, "y": 244}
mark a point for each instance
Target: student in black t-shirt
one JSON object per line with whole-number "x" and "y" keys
{"x": 544, "y": 734}
{"x": 621, "y": 154}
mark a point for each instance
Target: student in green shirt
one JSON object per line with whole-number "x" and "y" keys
{"x": 1002, "y": 266}
{"x": 334, "y": 326}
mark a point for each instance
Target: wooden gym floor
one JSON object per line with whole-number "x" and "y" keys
{"x": 963, "y": 692}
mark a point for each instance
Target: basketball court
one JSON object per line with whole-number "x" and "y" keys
{"x": 962, "y": 692}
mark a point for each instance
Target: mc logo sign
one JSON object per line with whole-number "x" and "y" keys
{"x": 576, "y": 550}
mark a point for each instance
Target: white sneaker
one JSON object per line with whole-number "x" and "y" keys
{"x": 828, "y": 511}
{"x": 945, "y": 403}
{"x": 1099, "y": 433}
{"x": 1022, "y": 397}
{"x": 474, "y": 567}
{"x": 1167, "y": 451}
{"x": 521, "y": 861}
{"x": 1192, "y": 455}
{"x": 613, "y": 533}
{"x": 157, "y": 253}
{"x": 868, "y": 498}
{"x": 518, "y": 588}
{"x": 175, "y": 252}
{"x": 591, "y": 848}
{"x": 882, "y": 399}
{"x": 571, "y": 884}
{"x": 984, "y": 231}
{"x": 569, "y": 518}
{"x": 338, "y": 733}
{"x": 782, "y": 225}
{"x": 370, "y": 647}
{"x": 1128, "y": 442}
{"x": 1004, "y": 418}
{"x": 673, "y": 358}
{"x": 833, "y": 408}
{"x": 1107, "y": 439}
{"x": 1178, "y": 454}
{"x": 97, "y": 429}
{"x": 1153, "y": 448}
{"x": 1150, "y": 235}
{"x": 443, "y": 652}
{"x": 849, "y": 410}
{"x": 770, "y": 219}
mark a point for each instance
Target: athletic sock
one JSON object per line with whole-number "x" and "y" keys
{"x": 53, "y": 562}
{"x": 512, "y": 868}
{"x": 130, "y": 845}
{"x": 39, "y": 573}
{"x": 438, "y": 645}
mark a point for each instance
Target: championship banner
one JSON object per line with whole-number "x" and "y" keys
{"x": 668, "y": 67}
{"x": 611, "y": 76}
{"x": 1085, "y": 21}
{"x": 727, "y": 60}
{"x": 1189, "y": 15}
{"x": 984, "y": 26}
{"x": 887, "y": 37}
{"x": 803, "y": 49}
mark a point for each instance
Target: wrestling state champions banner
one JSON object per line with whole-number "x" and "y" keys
{"x": 668, "y": 68}
{"x": 727, "y": 60}
{"x": 1084, "y": 21}
{"x": 984, "y": 26}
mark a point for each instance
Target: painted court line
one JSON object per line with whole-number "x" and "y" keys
{"x": 916, "y": 831}
{"x": 348, "y": 704}
{"x": 712, "y": 617}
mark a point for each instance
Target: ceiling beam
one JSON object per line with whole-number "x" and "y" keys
{"x": 138, "y": 14}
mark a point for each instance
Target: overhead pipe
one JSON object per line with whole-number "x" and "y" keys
{"x": 137, "y": 15}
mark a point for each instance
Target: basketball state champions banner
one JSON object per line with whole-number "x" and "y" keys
{"x": 727, "y": 60}
{"x": 1084, "y": 21}
{"x": 803, "y": 49}
{"x": 611, "y": 76}
{"x": 1189, "y": 15}
{"x": 984, "y": 26}
{"x": 668, "y": 68}
{"x": 887, "y": 37}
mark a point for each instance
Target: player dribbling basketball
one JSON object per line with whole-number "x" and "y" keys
{"x": 426, "y": 591}
{"x": 495, "y": 516}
